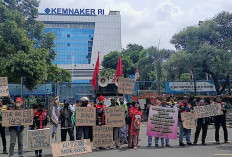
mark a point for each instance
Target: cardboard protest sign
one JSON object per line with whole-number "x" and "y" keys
{"x": 189, "y": 120}
{"x": 126, "y": 86}
{"x": 85, "y": 116}
{"x": 208, "y": 110}
{"x": 4, "y": 91}
{"x": 17, "y": 117}
{"x": 38, "y": 139}
{"x": 115, "y": 116}
{"x": 102, "y": 136}
{"x": 71, "y": 148}
{"x": 162, "y": 122}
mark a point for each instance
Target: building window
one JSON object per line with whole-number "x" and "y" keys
{"x": 68, "y": 35}
{"x": 68, "y": 44}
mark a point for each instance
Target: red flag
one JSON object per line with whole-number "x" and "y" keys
{"x": 119, "y": 71}
{"x": 95, "y": 73}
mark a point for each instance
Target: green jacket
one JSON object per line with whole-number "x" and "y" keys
{"x": 126, "y": 109}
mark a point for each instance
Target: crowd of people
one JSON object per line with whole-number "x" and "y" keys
{"x": 127, "y": 134}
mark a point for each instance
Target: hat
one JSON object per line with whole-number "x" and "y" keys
{"x": 19, "y": 99}
{"x": 101, "y": 98}
{"x": 134, "y": 98}
{"x": 153, "y": 98}
{"x": 84, "y": 99}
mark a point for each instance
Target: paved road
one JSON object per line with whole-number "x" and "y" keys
{"x": 211, "y": 149}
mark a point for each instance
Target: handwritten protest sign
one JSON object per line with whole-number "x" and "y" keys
{"x": 102, "y": 136}
{"x": 71, "y": 148}
{"x": 38, "y": 139}
{"x": 162, "y": 122}
{"x": 126, "y": 86}
{"x": 86, "y": 116}
{"x": 4, "y": 91}
{"x": 208, "y": 110}
{"x": 115, "y": 116}
{"x": 188, "y": 119}
{"x": 17, "y": 117}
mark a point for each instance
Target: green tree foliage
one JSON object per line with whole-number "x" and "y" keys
{"x": 210, "y": 46}
{"x": 24, "y": 50}
{"x": 133, "y": 51}
{"x": 57, "y": 74}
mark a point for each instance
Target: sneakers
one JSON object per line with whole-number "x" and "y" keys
{"x": 157, "y": 146}
{"x": 226, "y": 142}
{"x": 181, "y": 144}
{"x": 189, "y": 143}
{"x": 203, "y": 143}
{"x": 5, "y": 151}
{"x": 97, "y": 149}
{"x": 135, "y": 147}
{"x": 217, "y": 142}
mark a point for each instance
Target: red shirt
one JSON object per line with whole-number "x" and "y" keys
{"x": 40, "y": 119}
{"x": 135, "y": 122}
{"x": 99, "y": 108}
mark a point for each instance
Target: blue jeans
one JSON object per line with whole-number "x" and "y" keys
{"x": 123, "y": 133}
{"x": 83, "y": 130}
{"x": 157, "y": 141}
{"x": 183, "y": 131}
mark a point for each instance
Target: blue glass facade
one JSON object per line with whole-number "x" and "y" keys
{"x": 73, "y": 42}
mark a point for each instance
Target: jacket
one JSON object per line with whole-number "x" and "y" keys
{"x": 100, "y": 109}
{"x": 18, "y": 128}
{"x": 66, "y": 118}
{"x": 40, "y": 119}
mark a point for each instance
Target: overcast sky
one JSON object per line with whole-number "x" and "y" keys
{"x": 144, "y": 22}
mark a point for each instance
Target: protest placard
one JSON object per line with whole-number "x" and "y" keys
{"x": 86, "y": 116}
{"x": 188, "y": 119}
{"x": 162, "y": 122}
{"x": 126, "y": 86}
{"x": 102, "y": 136}
{"x": 115, "y": 116}
{"x": 17, "y": 117}
{"x": 4, "y": 91}
{"x": 208, "y": 110}
{"x": 38, "y": 139}
{"x": 71, "y": 148}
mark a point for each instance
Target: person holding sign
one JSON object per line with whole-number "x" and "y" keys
{"x": 202, "y": 123}
{"x": 55, "y": 117}
{"x": 2, "y": 129}
{"x": 40, "y": 122}
{"x": 83, "y": 131}
{"x": 116, "y": 134}
{"x": 16, "y": 131}
{"x": 184, "y": 107}
{"x": 100, "y": 112}
{"x": 66, "y": 122}
{"x": 134, "y": 128}
{"x": 221, "y": 120}
{"x": 123, "y": 129}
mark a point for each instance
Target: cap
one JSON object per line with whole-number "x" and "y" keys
{"x": 153, "y": 98}
{"x": 19, "y": 99}
{"x": 84, "y": 99}
{"x": 101, "y": 98}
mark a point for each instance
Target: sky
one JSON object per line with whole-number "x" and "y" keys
{"x": 146, "y": 22}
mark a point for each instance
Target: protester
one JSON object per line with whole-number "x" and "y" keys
{"x": 221, "y": 120}
{"x": 184, "y": 107}
{"x": 134, "y": 128}
{"x": 83, "y": 131}
{"x": 2, "y": 129}
{"x": 116, "y": 132}
{"x": 55, "y": 117}
{"x": 16, "y": 131}
{"x": 123, "y": 129}
{"x": 100, "y": 109}
{"x": 194, "y": 102}
{"x": 166, "y": 105}
{"x": 211, "y": 101}
{"x": 66, "y": 122}
{"x": 40, "y": 122}
{"x": 202, "y": 123}
{"x": 152, "y": 103}
{"x": 172, "y": 101}
{"x": 77, "y": 104}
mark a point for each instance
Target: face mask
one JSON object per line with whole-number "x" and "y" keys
{"x": 18, "y": 105}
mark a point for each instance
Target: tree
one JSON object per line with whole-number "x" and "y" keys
{"x": 24, "y": 50}
{"x": 210, "y": 46}
{"x": 57, "y": 74}
{"x": 133, "y": 51}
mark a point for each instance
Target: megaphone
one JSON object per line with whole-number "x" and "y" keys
{"x": 116, "y": 81}
{"x": 103, "y": 81}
